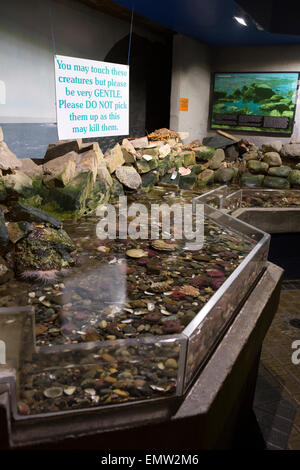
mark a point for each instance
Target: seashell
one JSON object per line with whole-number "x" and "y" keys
{"x": 53, "y": 392}
{"x": 161, "y": 286}
{"x": 190, "y": 290}
{"x": 184, "y": 171}
{"x": 162, "y": 245}
{"x": 69, "y": 390}
{"x": 136, "y": 253}
{"x": 150, "y": 306}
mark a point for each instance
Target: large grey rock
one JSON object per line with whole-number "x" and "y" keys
{"x": 252, "y": 181}
{"x": 61, "y": 147}
{"x": 30, "y": 168}
{"x": 88, "y": 161}
{"x": 281, "y": 171}
{"x": 274, "y": 146}
{"x": 62, "y": 169}
{"x": 114, "y": 158}
{"x": 128, "y": 176}
{"x": 224, "y": 175}
{"x": 104, "y": 174}
{"x": 272, "y": 159}
{"x": 140, "y": 142}
{"x": 205, "y": 177}
{"x": 294, "y": 178}
{"x": 291, "y": 150}
{"x": 144, "y": 166}
{"x": 31, "y": 214}
{"x": 231, "y": 153}
{"x": 257, "y": 167}
{"x": 8, "y": 160}
{"x": 217, "y": 159}
{"x": 217, "y": 141}
{"x": 275, "y": 182}
{"x": 250, "y": 156}
{"x": 204, "y": 152}
{"x": 17, "y": 182}
{"x": 129, "y": 157}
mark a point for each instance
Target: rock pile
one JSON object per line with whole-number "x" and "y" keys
{"x": 74, "y": 177}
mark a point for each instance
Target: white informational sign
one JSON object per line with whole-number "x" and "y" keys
{"x": 92, "y": 98}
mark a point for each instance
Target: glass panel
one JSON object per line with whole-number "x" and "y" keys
{"x": 270, "y": 198}
{"x": 61, "y": 378}
{"x": 203, "y": 332}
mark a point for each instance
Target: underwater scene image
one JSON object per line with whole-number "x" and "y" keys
{"x": 254, "y": 94}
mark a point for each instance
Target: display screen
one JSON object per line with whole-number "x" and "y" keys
{"x": 255, "y": 102}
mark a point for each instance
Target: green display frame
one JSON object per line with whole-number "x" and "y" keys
{"x": 252, "y": 102}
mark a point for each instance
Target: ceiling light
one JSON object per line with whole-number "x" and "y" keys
{"x": 241, "y": 19}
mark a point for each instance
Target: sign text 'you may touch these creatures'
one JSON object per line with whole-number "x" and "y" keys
{"x": 92, "y": 98}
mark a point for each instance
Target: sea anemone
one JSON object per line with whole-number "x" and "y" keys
{"x": 44, "y": 277}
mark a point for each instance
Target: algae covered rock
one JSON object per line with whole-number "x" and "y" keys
{"x": 88, "y": 161}
{"x": 275, "y": 182}
{"x": 61, "y": 169}
{"x": 187, "y": 181}
{"x": 99, "y": 195}
{"x": 204, "y": 152}
{"x": 164, "y": 165}
{"x": 116, "y": 190}
{"x": 143, "y": 166}
{"x": 294, "y": 178}
{"x": 281, "y": 171}
{"x": 171, "y": 178}
{"x": 149, "y": 180}
{"x": 257, "y": 167}
{"x": 252, "y": 181}
{"x": 44, "y": 249}
{"x": 70, "y": 201}
{"x": 216, "y": 161}
{"x": 252, "y": 155}
{"x": 205, "y": 177}
{"x": 189, "y": 158}
{"x": 224, "y": 175}
{"x": 272, "y": 159}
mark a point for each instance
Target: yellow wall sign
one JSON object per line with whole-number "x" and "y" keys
{"x": 184, "y": 104}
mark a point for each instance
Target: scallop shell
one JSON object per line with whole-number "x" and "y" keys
{"x": 136, "y": 253}
{"x": 161, "y": 286}
{"x": 189, "y": 290}
{"x": 161, "y": 245}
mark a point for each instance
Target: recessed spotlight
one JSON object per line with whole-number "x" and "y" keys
{"x": 242, "y": 19}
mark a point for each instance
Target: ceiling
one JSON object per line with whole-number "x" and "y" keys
{"x": 211, "y": 21}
